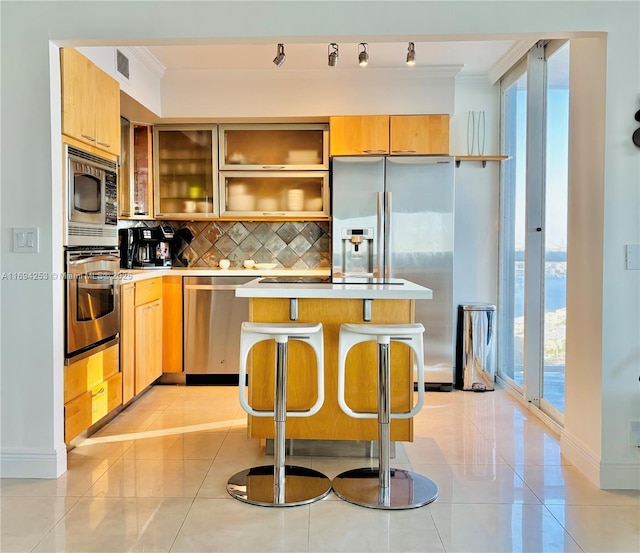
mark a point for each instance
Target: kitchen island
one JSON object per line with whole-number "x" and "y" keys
{"x": 331, "y": 302}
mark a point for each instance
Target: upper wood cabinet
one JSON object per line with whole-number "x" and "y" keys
{"x": 274, "y": 147}
{"x": 186, "y": 171}
{"x": 419, "y": 134}
{"x": 394, "y": 135}
{"x": 357, "y": 135}
{"x": 90, "y": 102}
{"x": 135, "y": 187}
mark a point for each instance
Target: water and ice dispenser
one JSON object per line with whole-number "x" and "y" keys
{"x": 357, "y": 251}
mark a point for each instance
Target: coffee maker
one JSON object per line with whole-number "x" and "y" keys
{"x": 146, "y": 248}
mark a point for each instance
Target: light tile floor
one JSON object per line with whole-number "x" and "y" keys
{"x": 154, "y": 480}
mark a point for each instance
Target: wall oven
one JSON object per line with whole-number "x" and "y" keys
{"x": 93, "y": 301}
{"x": 92, "y": 200}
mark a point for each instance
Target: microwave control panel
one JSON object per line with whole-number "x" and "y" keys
{"x": 110, "y": 198}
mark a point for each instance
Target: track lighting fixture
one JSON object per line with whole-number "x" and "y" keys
{"x": 363, "y": 56}
{"x": 411, "y": 54}
{"x": 333, "y": 54}
{"x": 280, "y": 56}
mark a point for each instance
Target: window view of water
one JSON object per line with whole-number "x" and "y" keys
{"x": 555, "y": 300}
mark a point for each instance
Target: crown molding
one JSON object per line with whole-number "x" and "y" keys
{"x": 474, "y": 79}
{"x": 144, "y": 56}
{"x": 427, "y": 71}
{"x": 512, "y": 57}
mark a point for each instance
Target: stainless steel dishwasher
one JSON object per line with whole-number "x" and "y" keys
{"x": 212, "y": 319}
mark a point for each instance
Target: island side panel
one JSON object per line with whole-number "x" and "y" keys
{"x": 330, "y": 423}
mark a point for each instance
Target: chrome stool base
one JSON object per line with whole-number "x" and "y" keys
{"x": 256, "y": 485}
{"x": 406, "y": 490}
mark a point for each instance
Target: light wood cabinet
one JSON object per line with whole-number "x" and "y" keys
{"x": 330, "y": 423}
{"x": 393, "y": 135}
{"x": 359, "y": 135}
{"x": 135, "y": 187}
{"x": 92, "y": 389}
{"x": 185, "y": 161}
{"x": 90, "y": 102}
{"x": 141, "y": 337}
{"x": 127, "y": 340}
{"x": 148, "y": 332}
{"x": 419, "y": 134}
{"x": 171, "y": 324}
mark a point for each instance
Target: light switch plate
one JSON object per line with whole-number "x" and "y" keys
{"x": 25, "y": 239}
{"x": 634, "y": 433}
{"x": 632, "y": 257}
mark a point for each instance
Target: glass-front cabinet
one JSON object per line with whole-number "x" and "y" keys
{"x": 274, "y": 194}
{"x": 274, "y": 171}
{"x": 274, "y": 147}
{"x": 185, "y": 163}
{"x": 135, "y": 186}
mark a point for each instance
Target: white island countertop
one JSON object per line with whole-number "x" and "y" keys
{"x": 399, "y": 290}
{"x": 143, "y": 274}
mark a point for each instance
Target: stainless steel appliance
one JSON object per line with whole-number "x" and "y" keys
{"x": 393, "y": 218}
{"x": 93, "y": 301}
{"x": 146, "y": 248}
{"x": 92, "y": 200}
{"x": 212, "y": 318}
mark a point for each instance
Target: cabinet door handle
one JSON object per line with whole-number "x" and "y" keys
{"x": 92, "y": 138}
{"x": 100, "y": 391}
{"x": 273, "y": 214}
{"x": 374, "y": 151}
{"x": 104, "y": 144}
{"x": 273, "y": 166}
{"x": 403, "y": 151}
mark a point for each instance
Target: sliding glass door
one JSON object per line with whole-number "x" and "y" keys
{"x": 555, "y": 244}
{"x": 533, "y": 227}
{"x": 514, "y": 116}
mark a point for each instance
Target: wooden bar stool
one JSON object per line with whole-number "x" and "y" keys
{"x": 280, "y": 485}
{"x": 384, "y": 487}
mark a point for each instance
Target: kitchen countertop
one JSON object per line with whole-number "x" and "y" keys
{"x": 404, "y": 289}
{"x": 143, "y": 274}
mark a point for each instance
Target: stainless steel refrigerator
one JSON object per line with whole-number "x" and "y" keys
{"x": 393, "y": 217}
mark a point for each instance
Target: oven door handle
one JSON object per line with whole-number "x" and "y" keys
{"x": 93, "y": 259}
{"x": 95, "y": 286}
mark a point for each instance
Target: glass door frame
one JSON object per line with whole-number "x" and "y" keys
{"x": 534, "y": 66}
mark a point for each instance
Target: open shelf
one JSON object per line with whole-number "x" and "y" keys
{"x": 483, "y": 159}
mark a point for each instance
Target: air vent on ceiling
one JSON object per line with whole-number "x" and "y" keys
{"x": 122, "y": 64}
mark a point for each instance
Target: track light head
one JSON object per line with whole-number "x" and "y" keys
{"x": 333, "y": 54}
{"x": 363, "y": 56}
{"x": 411, "y": 54}
{"x": 280, "y": 56}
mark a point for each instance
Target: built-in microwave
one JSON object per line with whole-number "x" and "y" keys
{"x": 92, "y": 200}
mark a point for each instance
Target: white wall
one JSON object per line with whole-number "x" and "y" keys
{"x": 306, "y": 93}
{"x": 31, "y": 373}
{"x": 477, "y": 196}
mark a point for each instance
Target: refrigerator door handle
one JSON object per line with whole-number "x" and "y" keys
{"x": 380, "y": 237}
{"x": 387, "y": 236}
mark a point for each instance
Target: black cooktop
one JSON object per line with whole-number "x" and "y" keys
{"x": 329, "y": 280}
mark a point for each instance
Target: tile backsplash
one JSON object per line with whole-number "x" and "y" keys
{"x": 299, "y": 245}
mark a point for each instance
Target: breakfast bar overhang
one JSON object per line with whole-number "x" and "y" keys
{"x": 332, "y": 302}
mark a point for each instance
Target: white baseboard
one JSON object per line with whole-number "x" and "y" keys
{"x": 33, "y": 463}
{"x": 580, "y": 456}
{"x": 607, "y": 476}
{"x": 620, "y": 476}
